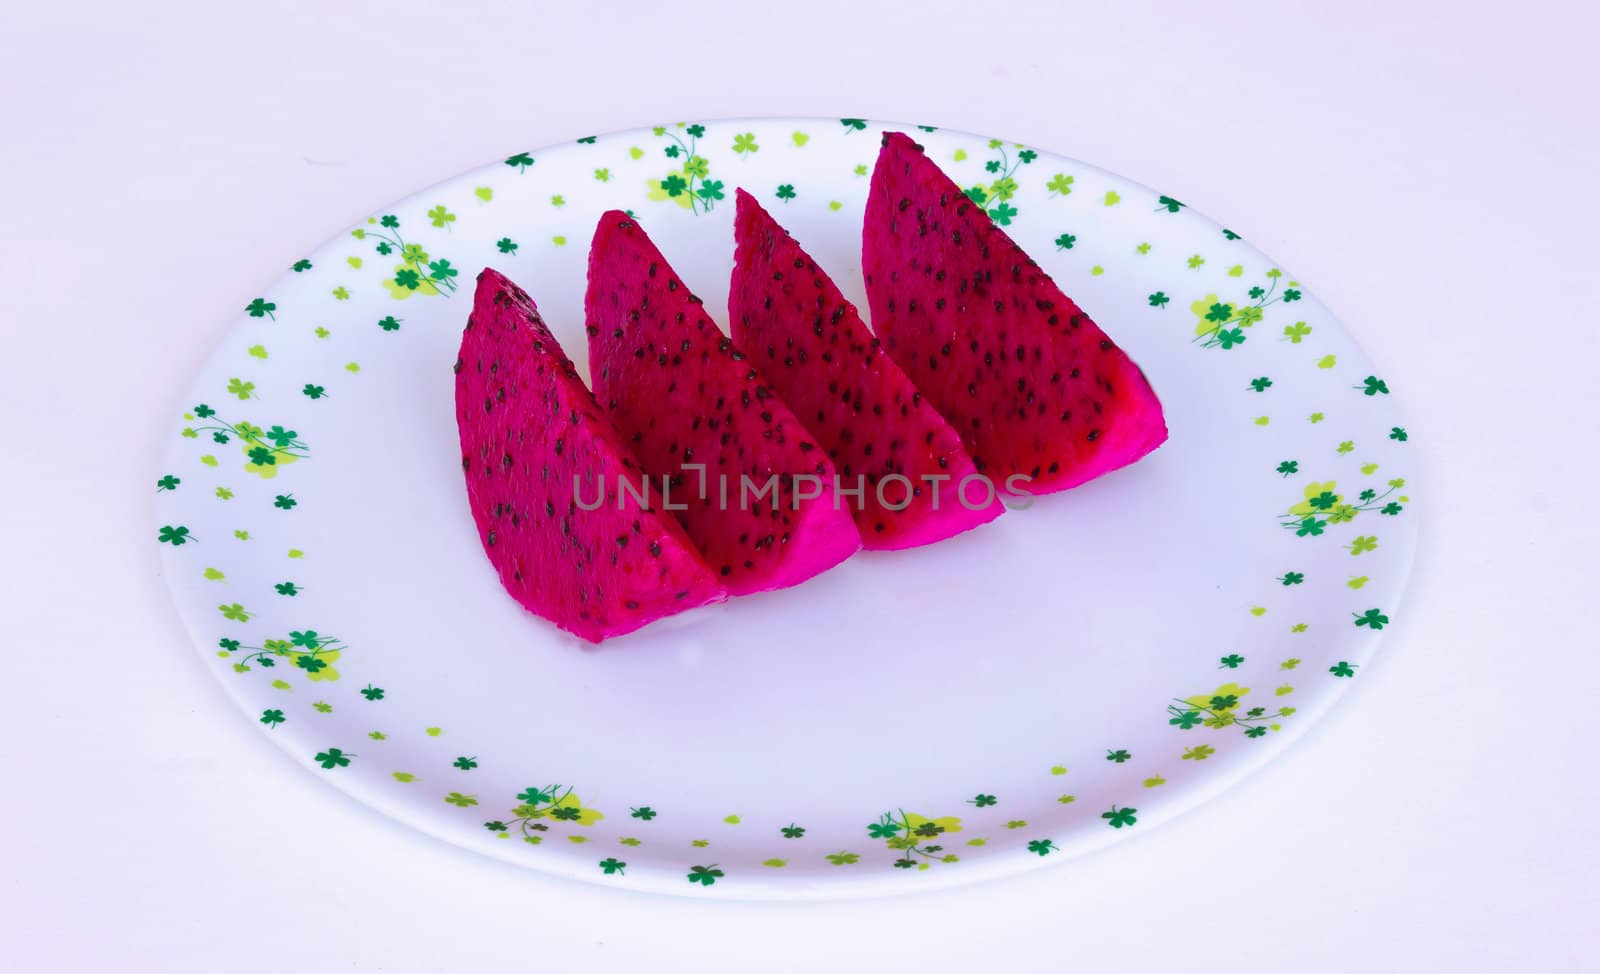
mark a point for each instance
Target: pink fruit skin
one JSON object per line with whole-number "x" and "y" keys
{"x": 1030, "y": 382}
{"x": 528, "y": 425}
{"x": 675, "y": 387}
{"x": 811, "y": 345}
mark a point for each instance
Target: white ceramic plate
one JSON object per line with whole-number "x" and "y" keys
{"x": 1046, "y": 684}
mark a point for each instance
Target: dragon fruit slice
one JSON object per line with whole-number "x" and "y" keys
{"x": 762, "y": 510}
{"x": 1035, "y": 388}
{"x": 534, "y": 448}
{"x": 884, "y": 438}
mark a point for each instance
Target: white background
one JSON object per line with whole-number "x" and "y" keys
{"x": 1429, "y": 170}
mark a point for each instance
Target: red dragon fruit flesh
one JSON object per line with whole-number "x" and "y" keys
{"x": 884, "y": 438}
{"x": 757, "y": 490}
{"x": 1042, "y": 398}
{"x": 534, "y": 445}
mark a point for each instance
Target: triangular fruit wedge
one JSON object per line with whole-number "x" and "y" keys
{"x": 762, "y": 510}
{"x": 886, "y": 441}
{"x": 1042, "y": 398}
{"x": 535, "y": 448}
